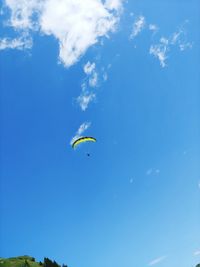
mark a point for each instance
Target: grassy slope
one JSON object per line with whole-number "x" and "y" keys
{"x": 19, "y": 262}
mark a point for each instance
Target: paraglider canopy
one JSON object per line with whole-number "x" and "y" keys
{"x": 83, "y": 140}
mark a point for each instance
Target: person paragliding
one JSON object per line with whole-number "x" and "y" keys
{"x": 81, "y": 140}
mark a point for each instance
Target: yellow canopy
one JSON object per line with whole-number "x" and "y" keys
{"x": 82, "y": 140}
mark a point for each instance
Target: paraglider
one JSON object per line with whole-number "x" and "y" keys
{"x": 83, "y": 140}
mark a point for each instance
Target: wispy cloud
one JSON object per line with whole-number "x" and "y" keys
{"x": 89, "y": 68}
{"x": 180, "y": 38}
{"x": 153, "y": 27}
{"x": 185, "y": 46}
{"x": 91, "y": 72}
{"x": 141, "y": 24}
{"x": 157, "y": 261}
{"x": 75, "y": 24}
{"x": 196, "y": 253}
{"x": 20, "y": 43}
{"x": 22, "y": 12}
{"x": 93, "y": 79}
{"x": 113, "y": 4}
{"x": 82, "y": 128}
{"x": 105, "y": 76}
{"x": 87, "y": 95}
{"x": 160, "y": 51}
{"x": 84, "y": 99}
{"x": 152, "y": 171}
{"x": 138, "y": 26}
{"x": 162, "y": 48}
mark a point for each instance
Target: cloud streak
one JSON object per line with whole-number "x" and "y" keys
{"x": 92, "y": 80}
{"x": 85, "y": 98}
{"x": 20, "y": 43}
{"x": 160, "y": 51}
{"x": 153, "y": 27}
{"x": 157, "y": 261}
{"x": 152, "y": 171}
{"x": 138, "y": 26}
{"x": 82, "y": 128}
{"x": 91, "y": 72}
{"x": 163, "y": 47}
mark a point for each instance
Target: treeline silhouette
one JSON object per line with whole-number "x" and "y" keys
{"x": 49, "y": 263}
{"x": 27, "y": 261}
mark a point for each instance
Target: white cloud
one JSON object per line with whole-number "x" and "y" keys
{"x": 113, "y": 4}
{"x": 184, "y": 46}
{"x": 153, "y": 27}
{"x": 157, "y": 260}
{"x": 87, "y": 95}
{"x": 162, "y": 49}
{"x": 85, "y": 98}
{"x": 175, "y": 37}
{"x": 89, "y": 67}
{"x": 179, "y": 38}
{"x": 104, "y": 71}
{"x": 152, "y": 171}
{"x": 22, "y": 12}
{"x": 82, "y": 128}
{"x": 92, "y": 80}
{"x": 20, "y": 43}
{"x": 141, "y": 24}
{"x": 138, "y": 26}
{"x": 105, "y": 76}
{"x": 197, "y": 253}
{"x": 76, "y": 24}
{"x": 92, "y": 75}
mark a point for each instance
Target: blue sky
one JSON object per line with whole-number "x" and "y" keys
{"x": 133, "y": 81}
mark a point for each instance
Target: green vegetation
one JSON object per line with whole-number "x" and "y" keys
{"x": 27, "y": 261}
